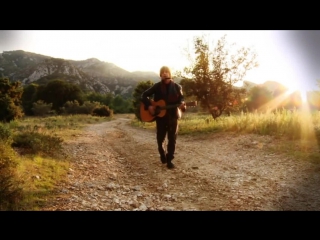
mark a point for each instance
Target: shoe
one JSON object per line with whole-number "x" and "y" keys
{"x": 168, "y": 157}
{"x": 170, "y": 165}
{"x": 163, "y": 160}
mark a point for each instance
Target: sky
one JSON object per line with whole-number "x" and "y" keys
{"x": 289, "y": 57}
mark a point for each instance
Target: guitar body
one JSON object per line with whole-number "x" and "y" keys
{"x": 160, "y": 110}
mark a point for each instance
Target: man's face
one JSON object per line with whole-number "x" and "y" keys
{"x": 164, "y": 75}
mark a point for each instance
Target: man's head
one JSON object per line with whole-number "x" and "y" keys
{"x": 165, "y": 74}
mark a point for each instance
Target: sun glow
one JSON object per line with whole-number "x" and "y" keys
{"x": 298, "y": 98}
{"x": 293, "y": 95}
{"x": 300, "y": 92}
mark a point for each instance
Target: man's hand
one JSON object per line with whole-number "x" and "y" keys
{"x": 183, "y": 106}
{"x": 151, "y": 110}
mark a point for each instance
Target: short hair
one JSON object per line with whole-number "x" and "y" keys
{"x": 165, "y": 68}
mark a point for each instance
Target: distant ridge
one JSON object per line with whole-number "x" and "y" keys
{"x": 91, "y": 74}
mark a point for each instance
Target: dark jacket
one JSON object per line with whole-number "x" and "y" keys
{"x": 170, "y": 93}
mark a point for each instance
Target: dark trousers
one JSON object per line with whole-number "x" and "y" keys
{"x": 167, "y": 126}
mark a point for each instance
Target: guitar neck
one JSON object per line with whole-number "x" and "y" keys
{"x": 170, "y": 106}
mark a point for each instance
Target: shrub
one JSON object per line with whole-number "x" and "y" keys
{"x": 41, "y": 109}
{"x": 10, "y": 192}
{"x": 10, "y": 99}
{"x": 5, "y": 133}
{"x": 103, "y": 111}
{"x": 38, "y": 143}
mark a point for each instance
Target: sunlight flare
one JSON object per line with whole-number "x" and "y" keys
{"x": 296, "y": 99}
{"x": 308, "y": 134}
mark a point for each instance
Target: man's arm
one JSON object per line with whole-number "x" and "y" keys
{"x": 145, "y": 96}
{"x": 181, "y": 98}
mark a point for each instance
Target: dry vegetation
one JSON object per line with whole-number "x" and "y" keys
{"x": 113, "y": 164}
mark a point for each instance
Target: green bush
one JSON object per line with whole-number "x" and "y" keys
{"x": 102, "y": 111}
{"x": 10, "y": 192}
{"x": 5, "y": 133}
{"x": 41, "y": 108}
{"x": 88, "y": 107}
{"x": 70, "y": 107}
{"x": 10, "y": 99}
{"x": 73, "y": 107}
{"x": 38, "y": 143}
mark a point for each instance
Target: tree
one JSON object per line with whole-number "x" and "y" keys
{"x": 137, "y": 92}
{"x": 105, "y": 99}
{"x": 10, "y": 100}
{"x": 213, "y": 74}
{"x": 29, "y": 97}
{"x": 188, "y": 85}
{"x": 39, "y": 108}
{"x": 120, "y": 105}
{"x": 258, "y": 97}
{"x": 58, "y": 92}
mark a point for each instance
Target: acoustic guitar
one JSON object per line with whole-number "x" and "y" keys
{"x": 160, "y": 110}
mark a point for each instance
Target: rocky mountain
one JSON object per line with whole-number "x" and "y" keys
{"x": 91, "y": 74}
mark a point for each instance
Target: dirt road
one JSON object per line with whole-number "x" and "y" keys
{"x": 116, "y": 167}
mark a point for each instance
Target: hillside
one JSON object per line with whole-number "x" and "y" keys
{"x": 91, "y": 74}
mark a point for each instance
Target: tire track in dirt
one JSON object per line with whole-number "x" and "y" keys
{"x": 220, "y": 171}
{"x": 117, "y": 167}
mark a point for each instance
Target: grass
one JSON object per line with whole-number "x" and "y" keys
{"x": 39, "y": 171}
{"x": 41, "y": 176}
{"x": 41, "y": 162}
{"x": 297, "y": 132}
